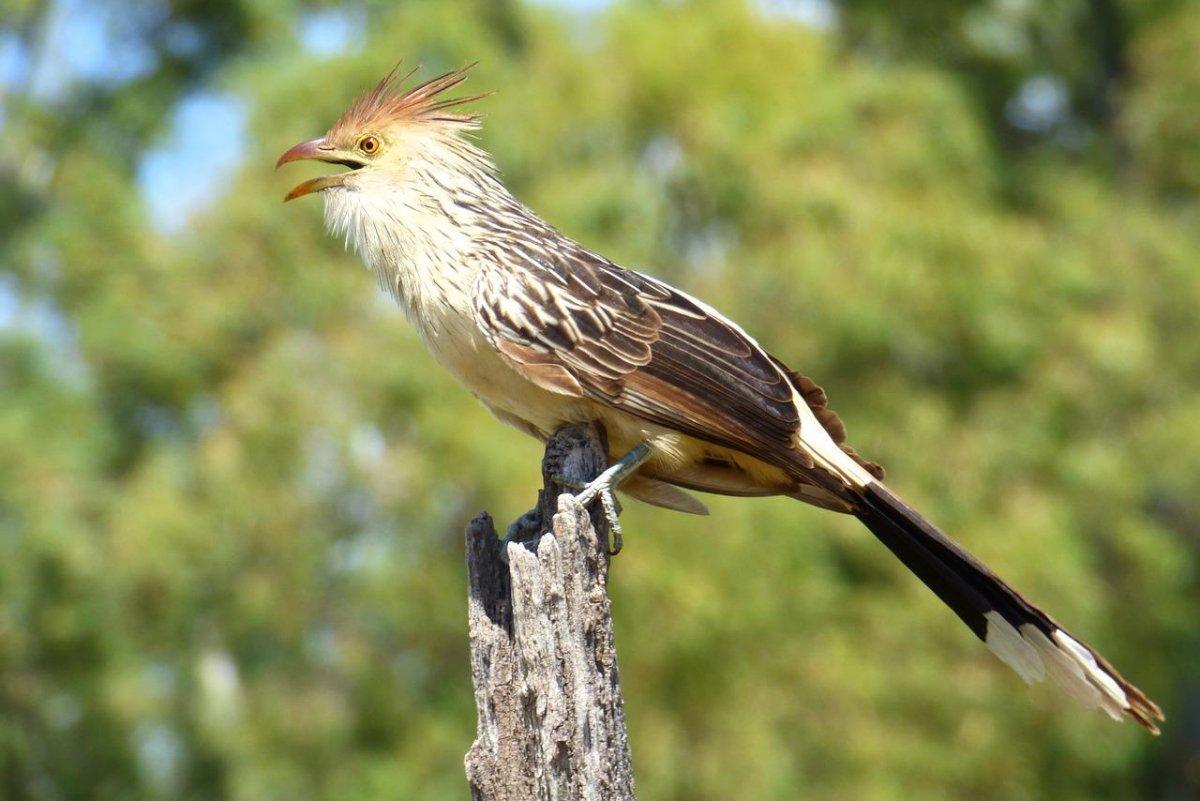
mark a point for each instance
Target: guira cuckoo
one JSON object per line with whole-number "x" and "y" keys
{"x": 546, "y": 332}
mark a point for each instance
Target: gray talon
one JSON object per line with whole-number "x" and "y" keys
{"x": 604, "y": 487}
{"x": 612, "y": 512}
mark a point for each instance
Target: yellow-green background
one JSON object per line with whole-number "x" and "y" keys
{"x": 233, "y": 486}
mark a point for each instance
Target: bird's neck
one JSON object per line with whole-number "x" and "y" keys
{"x": 422, "y": 234}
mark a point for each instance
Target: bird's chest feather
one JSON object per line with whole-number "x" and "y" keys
{"x": 453, "y": 339}
{"x": 425, "y": 259}
{"x": 441, "y": 310}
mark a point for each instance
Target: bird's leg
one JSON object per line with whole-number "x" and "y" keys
{"x": 604, "y": 486}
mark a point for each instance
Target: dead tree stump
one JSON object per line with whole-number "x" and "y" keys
{"x": 551, "y": 719}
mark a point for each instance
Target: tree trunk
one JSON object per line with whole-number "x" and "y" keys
{"x": 551, "y": 718}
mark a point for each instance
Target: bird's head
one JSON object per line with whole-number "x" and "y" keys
{"x": 384, "y": 131}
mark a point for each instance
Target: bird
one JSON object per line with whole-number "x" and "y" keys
{"x": 546, "y": 333}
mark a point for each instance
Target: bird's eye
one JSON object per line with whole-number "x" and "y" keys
{"x": 368, "y": 144}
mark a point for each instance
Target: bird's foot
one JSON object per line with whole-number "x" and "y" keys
{"x": 604, "y": 487}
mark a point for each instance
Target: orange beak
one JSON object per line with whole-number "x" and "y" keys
{"x": 317, "y": 150}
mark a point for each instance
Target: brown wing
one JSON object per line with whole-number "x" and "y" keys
{"x": 579, "y": 324}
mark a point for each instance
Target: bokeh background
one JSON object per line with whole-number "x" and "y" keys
{"x": 233, "y": 486}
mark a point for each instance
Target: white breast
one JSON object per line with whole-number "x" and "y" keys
{"x": 423, "y": 258}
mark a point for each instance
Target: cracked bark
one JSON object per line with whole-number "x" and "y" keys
{"x": 551, "y": 719}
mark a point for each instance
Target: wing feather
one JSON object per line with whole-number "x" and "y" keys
{"x": 575, "y": 323}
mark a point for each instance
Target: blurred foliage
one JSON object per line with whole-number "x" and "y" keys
{"x": 233, "y": 486}
{"x": 1162, "y": 119}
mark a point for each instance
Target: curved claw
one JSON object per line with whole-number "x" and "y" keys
{"x": 612, "y": 513}
{"x": 604, "y": 487}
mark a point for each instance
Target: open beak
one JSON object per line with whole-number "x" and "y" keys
{"x": 318, "y": 150}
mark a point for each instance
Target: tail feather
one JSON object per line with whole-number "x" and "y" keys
{"x": 1023, "y": 636}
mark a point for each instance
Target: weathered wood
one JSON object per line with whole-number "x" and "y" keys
{"x": 551, "y": 719}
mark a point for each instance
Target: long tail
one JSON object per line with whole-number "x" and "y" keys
{"x": 1022, "y": 635}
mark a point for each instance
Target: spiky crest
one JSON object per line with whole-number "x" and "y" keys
{"x": 386, "y": 104}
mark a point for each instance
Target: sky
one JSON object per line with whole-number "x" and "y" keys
{"x": 187, "y": 158}
{"x": 194, "y": 160}
{"x": 181, "y": 174}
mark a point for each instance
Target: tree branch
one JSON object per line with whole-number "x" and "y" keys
{"x": 551, "y": 717}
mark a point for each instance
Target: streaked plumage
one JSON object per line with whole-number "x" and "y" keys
{"x": 546, "y": 332}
